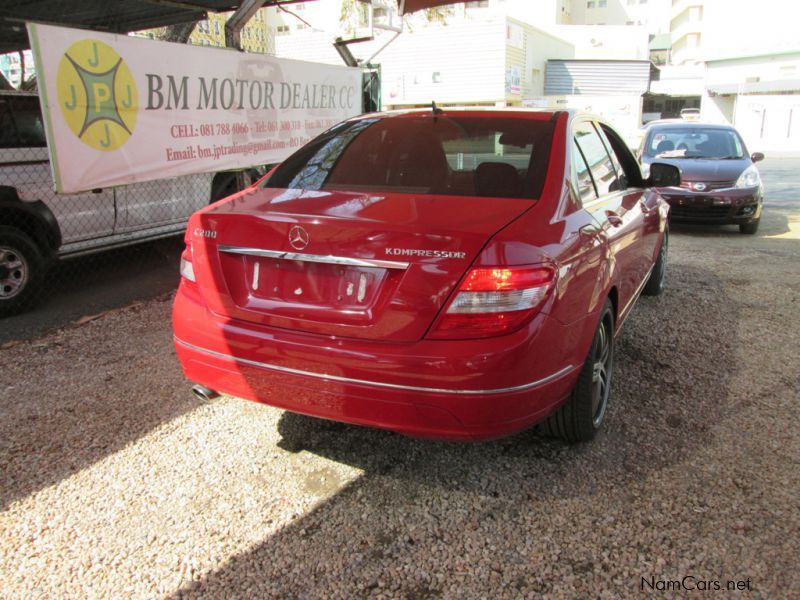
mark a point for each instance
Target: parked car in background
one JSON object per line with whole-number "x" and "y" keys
{"x": 37, "y": 225}
{"x": 720, "y": 181}
{"x": 453, "y": 274}
{"x": 690, "y": 114}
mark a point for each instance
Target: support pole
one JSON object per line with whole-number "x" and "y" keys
{"x": 233, "y": 39}
{"x": 234, "y": 25}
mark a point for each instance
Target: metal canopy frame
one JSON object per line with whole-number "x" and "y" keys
{"x": 104, "y": 15}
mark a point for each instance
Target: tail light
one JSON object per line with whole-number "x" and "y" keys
{"x": 187, "y": 268}
{"x": 494, "y": 300}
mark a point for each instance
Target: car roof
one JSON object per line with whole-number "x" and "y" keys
{"x": 542, "y": 114}
{"x": 451, "y": 110}
{"x": 672, "y": 123}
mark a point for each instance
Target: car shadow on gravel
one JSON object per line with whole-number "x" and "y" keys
{"x": 98, "y": 282}
{"x": 671, "y": 386}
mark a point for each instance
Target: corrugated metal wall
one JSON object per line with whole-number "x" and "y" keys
{"x": 598, "y": 78}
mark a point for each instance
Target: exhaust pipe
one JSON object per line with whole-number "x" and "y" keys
{"x": 203, "y": 393}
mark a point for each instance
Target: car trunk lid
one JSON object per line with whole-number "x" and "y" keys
{"x": 372, "y": 266}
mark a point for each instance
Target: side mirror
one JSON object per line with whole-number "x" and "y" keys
{"x": 663, "y": 175}
{"x": 757, "y": 156}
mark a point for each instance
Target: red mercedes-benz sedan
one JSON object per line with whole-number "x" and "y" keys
{"x": 451, "y": 274}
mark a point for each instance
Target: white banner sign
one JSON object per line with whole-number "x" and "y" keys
{"x": 121, "y": 109}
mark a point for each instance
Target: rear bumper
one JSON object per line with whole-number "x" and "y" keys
{"x": 455, "y": 390}
{"x": 728, "y": 206}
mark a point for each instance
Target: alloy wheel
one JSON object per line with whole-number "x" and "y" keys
{"x": 602, "y": 364}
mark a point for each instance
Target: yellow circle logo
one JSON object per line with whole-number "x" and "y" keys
{"x": 97, "y": 94}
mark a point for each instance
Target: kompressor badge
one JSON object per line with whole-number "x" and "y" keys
{"x": 424, "y": 253}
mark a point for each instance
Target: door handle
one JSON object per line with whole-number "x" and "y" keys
{"x": 97, "y": 191}
{"x": 613, "y": 218}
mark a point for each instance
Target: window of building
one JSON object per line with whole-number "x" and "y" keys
{"x": 282, "y": 29}
{"x": 481, "y": 4}
{"x": 590, "y": 4}
{"x": 602, "y": 3}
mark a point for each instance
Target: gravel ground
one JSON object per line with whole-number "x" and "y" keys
{"x": 114, "y": 482}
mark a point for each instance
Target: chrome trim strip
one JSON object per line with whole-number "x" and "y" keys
{"x": 638, "y": 291}
{"x": 391, "y": 386}
{"x": 315, "y": 258}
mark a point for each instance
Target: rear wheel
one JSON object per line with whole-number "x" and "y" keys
{"x": 658, "y": 276}
{"x": 750, "y": 228}
{"x": 21, "y": 271}
{"x": 581, "y": 417}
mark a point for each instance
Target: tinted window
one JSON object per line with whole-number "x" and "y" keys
{"x": 694, "y": 142}
{"x": 582, "y": 177}
{"x": 629, "y": 171}
{"x": 20, "y": 122}
{"x": 600, "y": 165}
{"x": 453, "y": 155}
{"x": 622, "y": 179}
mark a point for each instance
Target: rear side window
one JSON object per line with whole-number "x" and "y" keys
{"x": 582, "y": 176}
{"x": 594, "y": 152}
{"x": 21, "y": 122}
{"x": 621, "y": 178}
{"x": 448, "y": 155}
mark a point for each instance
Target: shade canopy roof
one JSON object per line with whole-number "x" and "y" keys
{"x": 410, "y": 6}
{"x": 126, "y": 16}
{"x": 103, "y": 15}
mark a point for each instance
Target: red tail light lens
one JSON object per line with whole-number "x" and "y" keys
{"x": 187, "y": 268}
{"x": 494, "y": 300}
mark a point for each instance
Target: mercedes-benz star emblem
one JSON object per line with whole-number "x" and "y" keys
{"x": 298, "y": 238}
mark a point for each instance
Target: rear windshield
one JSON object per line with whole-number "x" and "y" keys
{"x": 449, "y": 155}
{"x": 20, "y": 122}
{"x": 694, "y": 142}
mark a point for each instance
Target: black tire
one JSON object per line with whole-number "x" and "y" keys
{"x": 580, "y": 418}
{"x": 223, "y": 185}
{"x": 22, "y": 269}
{"x": 750, "y": 228}
{"x": 658, "y": 276}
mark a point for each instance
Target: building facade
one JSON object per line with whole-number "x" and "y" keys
{"x": 16, "y": 65}
{"x": 255, "y": 36}
{"x": 687, "y": 31}
{"x": 652, "y": 14}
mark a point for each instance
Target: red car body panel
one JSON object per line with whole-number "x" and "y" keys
{"x": 376, "y": 364}
{"x": 374, "y": 223}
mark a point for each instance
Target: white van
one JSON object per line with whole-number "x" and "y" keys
{"x": 38, "y": 226}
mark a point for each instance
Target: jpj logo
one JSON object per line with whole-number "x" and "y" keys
{"x": 97, "y": 94}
